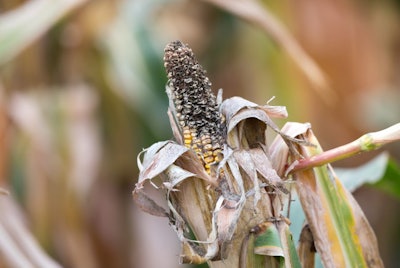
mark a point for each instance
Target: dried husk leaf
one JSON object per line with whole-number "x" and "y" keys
{"x": 194, "y": 203}
{"x": 147, "y": 204}
{"x": 237, "y": 110}
{"x": 158, "y": 158}
{"x": 165, "y": 160}
{"x": 232, "y": 106}
{"x": 220, "y": 211}
{"x": 279, "y": 152}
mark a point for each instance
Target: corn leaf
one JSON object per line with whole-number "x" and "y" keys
{"x": 341, "y": 232}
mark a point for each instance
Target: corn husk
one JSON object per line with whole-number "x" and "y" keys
{"x": 214, "y": 216}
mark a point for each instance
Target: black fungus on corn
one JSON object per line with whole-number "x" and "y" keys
{"x": 196, "y": 107}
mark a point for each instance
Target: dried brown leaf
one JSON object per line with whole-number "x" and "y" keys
{"x": 158, "y": 158}
{"x": 147, "y": 204}
{"x": 279, "y": 151}
{"x": 232, "y": 106}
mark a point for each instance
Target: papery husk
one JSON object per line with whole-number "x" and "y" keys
{"x": 177, "y": 184}
{"x": 222, "y": 208}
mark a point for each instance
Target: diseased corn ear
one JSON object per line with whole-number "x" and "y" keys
{"x": 195, "y": 106}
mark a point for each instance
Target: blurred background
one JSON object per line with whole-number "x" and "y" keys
{"x": 82, "y": 92}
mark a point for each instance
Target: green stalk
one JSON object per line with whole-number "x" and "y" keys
{"x": 368, "y": 142}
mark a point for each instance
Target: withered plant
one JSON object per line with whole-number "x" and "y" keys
{"x": 228, "y": 190}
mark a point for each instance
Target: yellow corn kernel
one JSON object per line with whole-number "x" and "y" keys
{"x": 205, "y": 141}
{"x": 209, "y": 159}
{"x": 217, "y": 152}
{"x": 193, "y": 133}
{"x": 207, "y": 153}
{"x": 218, "y": 158}
{"x": 208, "y": 147}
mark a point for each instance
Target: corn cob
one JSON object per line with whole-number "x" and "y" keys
{"x": 196, "y": 108}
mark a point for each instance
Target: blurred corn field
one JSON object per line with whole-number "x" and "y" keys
{"x": 82, "y": 92}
